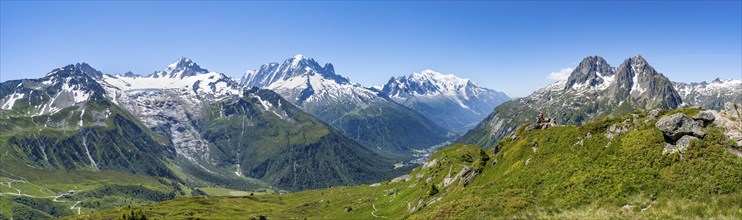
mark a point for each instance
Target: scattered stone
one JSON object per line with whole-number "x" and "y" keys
{"x": 649, "y": 206}
{"x": 608, "y": 135}
{"x": 528, "y": 161}
{"x": 678, "y": 125}
{"x": 534, "y": 146}
{"x": 614, "y": 129}
{"x": 636, "y": 118}
{"x": 581, "y": 143}
{"x": 680, "y": 146}
{"x": 735, "y": 151}
{"x": 654, "y": 113}
{"x": 627, "y": 207}
{"x": 402, "y": 178}
{"x": 430, "y": 164}
{"x": 589, "y": 135}
{"x": 468, "y": 177}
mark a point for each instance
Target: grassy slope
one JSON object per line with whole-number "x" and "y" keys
{"x": 41, "y": 186}
{"x": 625, "y": 177}
{"x": 127, "y": 163}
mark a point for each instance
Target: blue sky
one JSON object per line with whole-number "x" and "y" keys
{"x": 508, "y": 46}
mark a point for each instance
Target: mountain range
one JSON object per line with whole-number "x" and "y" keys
{"x": 184, "y": 120}
{"x": 594, "y": 90}
{"x": 132, "y": 139}
{"x": 365, "y": 114}
{"x": 453, "y": 103}
{"x": 710, "y": 95}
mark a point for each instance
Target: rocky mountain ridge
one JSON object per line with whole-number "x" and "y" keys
{"x": 360, "y": 113}
{"x": 593, "y": 90}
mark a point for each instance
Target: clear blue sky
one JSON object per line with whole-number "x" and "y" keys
{"x": 507, "y": 46}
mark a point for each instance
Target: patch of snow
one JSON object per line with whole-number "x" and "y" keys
{"x": 635, "y": 86}
{"x": 11, "y": 100}
{"x": 81, "y": 117}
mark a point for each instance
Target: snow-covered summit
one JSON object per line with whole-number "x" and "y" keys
{"x": 168, "y": 100}
{"x": 345, "y": 105}
{"x": 301, "y": 78}
{"x": 296, "y": 66}
{"x": 67, "y": 86}
{"x": 183, "y": 74}
{"x": 430, "y": 83}
{"x": 455, "y": 103}
{"x": 183, "y": 67}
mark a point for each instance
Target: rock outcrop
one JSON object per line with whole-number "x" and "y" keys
{"x": 546, "y": 123}
{"x": 730, "y": 119}
{"x": 680, "y": 131}
{"x": 677, "y": 125}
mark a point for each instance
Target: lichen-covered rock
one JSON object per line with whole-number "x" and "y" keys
{"x": 614, "y": 129}
{"x": 705, "y": 116}
{"x": 680, "y": 146}
{"x": 654, "y": 113}
{"x": 730, "y": 119}
{"x": 678, "y": 125}
{"x": 732, "y": 108}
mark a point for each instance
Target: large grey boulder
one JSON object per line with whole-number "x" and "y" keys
{"x": 705, "y": 116}
{"x": 677, "y": 125}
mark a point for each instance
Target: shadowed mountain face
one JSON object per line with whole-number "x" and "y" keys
{"x": 594, "y": 89}
{"x": 357, "y": 112}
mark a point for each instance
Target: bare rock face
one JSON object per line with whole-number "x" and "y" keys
{"x": 677, "y": 125}
{"x": 730, "y": 118}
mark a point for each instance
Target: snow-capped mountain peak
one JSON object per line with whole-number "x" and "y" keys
{"x": 593, "y": 73}
{"x": 430, "y": 83}
{"x": 183, "y": 67}
{"x": 298, "y": 72}
{"x": 63, "y": 87}
{"x": 433, "y": 93}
